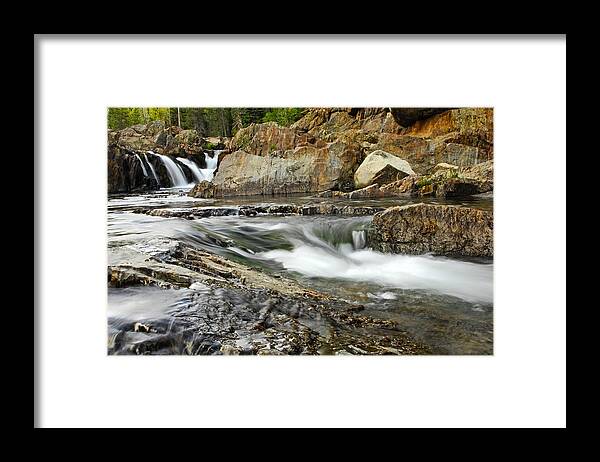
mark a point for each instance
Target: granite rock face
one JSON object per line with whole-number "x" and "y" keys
{"x": 327, "y": 149}
{"x": 438, "y": 229}
{"x": 462, "y": 137}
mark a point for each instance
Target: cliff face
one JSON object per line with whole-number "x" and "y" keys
{"x": 321, "y": 151}
{"x": 325, "y": 148}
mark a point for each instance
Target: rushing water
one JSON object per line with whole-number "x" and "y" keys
{"x": 152, "y": 169}
{"x": 175, "y": 171}
{"x": 193, "y": 167}
{"x": 142, "y": 164}
{"x": 211, "y": 165}
{"x": 445, "y": 302}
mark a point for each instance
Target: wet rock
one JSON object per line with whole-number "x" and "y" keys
{"x": 366, "y": 193}
{"x": 204, "y": 189}
{"x": 229, "y": 350}
{"x": 126, "y": 171}
{"x": 383, "y": 165}
{"x": 359, "y": 210}
{"x": 330, "y": 193}
{"x": 438, "y": 229}
{"x": 262, "y": 315}
{"x": 139, "y": 327}
{"x": 283, "y": 209}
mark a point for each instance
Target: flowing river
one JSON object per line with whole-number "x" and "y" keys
{"x": 445, "y": 303}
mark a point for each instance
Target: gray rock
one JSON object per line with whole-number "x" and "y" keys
{"x": 375, "y": 163}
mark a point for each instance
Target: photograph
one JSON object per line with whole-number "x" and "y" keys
{"x": 300, "y": 230}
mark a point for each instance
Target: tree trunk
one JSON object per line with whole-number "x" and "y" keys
{"x": 178, "y": 118}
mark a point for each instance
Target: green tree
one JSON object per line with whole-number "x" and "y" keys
{"x": 284, "y": 116}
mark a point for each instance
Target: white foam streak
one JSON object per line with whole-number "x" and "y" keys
{"x": 193, "y": 167}
{"x": 469, "y": 281}
{"x": 143, "y": 166}
{"x": 174, "y": 170}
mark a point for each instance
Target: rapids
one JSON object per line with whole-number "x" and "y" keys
{"x": 444, "y": 302}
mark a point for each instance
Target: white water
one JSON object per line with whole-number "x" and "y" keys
{"x": 193, "y": 167}
{"x": 143, "y": 166}
{"x": 175, "y": 172}
{"x": 359, "y": 239}
{"x": 152, "y": 168}
{"x": 211, "y": 165}
{"x": 469, "y": 281}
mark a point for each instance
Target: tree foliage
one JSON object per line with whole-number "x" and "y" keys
{"x": 206, "y": 121}
{"x": 285, "y": 116}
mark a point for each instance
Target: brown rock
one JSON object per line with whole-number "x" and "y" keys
{"x": 266, "y": 138}
{"x": 439, "y": 229}
{"x": 368, "y": 192}
{"x": 303, "y": 169}
{"x": 467, "y": 126}
{"x": 204, "y": 189}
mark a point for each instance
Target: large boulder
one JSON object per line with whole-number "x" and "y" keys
{"x": 381, "y": 165}
{"x": 438, "y": 229}
{"x": 303, "y": 169}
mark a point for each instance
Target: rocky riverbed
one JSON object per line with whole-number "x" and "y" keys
{"x": 352, "y": 231}
{"x": 196, "y": 276}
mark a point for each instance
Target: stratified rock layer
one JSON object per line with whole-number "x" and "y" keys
{"x": 438, "y": 229}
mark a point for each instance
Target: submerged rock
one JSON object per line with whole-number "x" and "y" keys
{"x": 194, "y": 213}
{"x": 439, "y": 229}
{"x": 203, "y": 189}
{"x": 233, "y": 309}
{"x": 381, "y": 165}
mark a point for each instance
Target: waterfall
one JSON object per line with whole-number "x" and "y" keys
{"x": 151, "y": 167}
{"x": 175, "y": 172}
{"x": 211, "y": 164}
{"x": 193, "y": 167}
{"x": 143, "y": 166}
{"x": 359, "y": 239}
